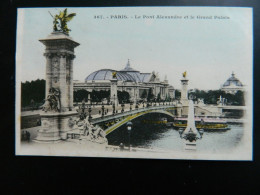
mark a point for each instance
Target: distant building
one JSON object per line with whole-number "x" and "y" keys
{"x": 232, "y": 85}
{"x": 130, "y": 80}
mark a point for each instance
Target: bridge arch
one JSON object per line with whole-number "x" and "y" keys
{"x": 131, "y": 117}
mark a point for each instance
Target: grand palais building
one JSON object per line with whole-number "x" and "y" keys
{"x": 130, "y": 80}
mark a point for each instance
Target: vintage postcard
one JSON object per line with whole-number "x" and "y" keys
{"x": 135, "y": 82}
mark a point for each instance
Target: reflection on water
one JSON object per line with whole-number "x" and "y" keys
{"x": 149, "y": 136}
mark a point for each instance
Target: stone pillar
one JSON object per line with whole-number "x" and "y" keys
{"x": 69, "y": 80}
{"x": 113, "y": 91}
{"x": 48, "y": 76}
{"x": 136, "y": 94}
{"x": 184, "y": 91}
{"x": 64, "y": 96}
{"x": 179, "y": 111}
{"x": 59, "y": 54}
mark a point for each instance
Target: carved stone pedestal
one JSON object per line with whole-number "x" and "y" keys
{"x": 55, "y": 126}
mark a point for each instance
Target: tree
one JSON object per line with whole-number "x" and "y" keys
{"x": 123, "y": 96}
{"x": 33, "y": 91}
{"x": 98, "y": 96}
{"x": 177, "y": 94}
{"x": 79, "y": 95}
{"x": 167, "y": 98}
{"x": 212, "y": 96}
{"x": 159, "y": 97}
{"x": 150, "y": 96}
{"x": 144, "y": 94}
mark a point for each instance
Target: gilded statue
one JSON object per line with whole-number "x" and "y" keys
{"x": 60, "y": 21}
{"x": 114, "y": 75}
{"x": 184, "y": 74}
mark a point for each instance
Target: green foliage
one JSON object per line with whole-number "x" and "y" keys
{"x": 159, "y": 97}
{"x": 177, "y": 94}
{"x": 212, "y": 96}
{"x": 123, "y": 96}
{"x": 79, "y": 95}
{"x": 97, "y": 96}
{"x": 167, "y": 98}
{"x": 33, "y": 91}
{"x": 144, "y": 94}
{"x": 150, "y": 96}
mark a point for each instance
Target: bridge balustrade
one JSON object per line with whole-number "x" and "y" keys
{"x": 127, "y": 113}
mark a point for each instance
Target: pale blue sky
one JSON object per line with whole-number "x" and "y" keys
{"x": 208, "y": 49}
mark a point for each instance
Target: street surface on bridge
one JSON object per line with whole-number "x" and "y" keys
{"x": 95, "y": 109}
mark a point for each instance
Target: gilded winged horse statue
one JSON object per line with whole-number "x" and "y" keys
{"x": 60, "y": 21}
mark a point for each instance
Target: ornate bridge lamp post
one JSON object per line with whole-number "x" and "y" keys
{"x": 122, "y": 105}
{"x": 89, "y": 112}
{"x": 82, "y": 113}
{"x": 103, "y": 110}
{"x": 147, "y": 104}
{"x": 129, "y": 128}
{"x": 131, "y": 106}
{"x": 114, "y": 109}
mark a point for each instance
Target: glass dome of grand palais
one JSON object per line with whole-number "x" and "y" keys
{"x": 128, "y": 79}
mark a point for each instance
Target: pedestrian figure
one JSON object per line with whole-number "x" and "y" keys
{"x": 99, "y": 112}
{"x": 28, "y": 135}
{"x": 23, "y": 136}
{"x": 32, "y": 104}
{"x": 121, "y": 146}
{"x": 38, "y": 122}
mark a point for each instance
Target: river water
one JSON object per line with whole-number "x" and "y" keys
{"x": 211, "y": 141}
{"x": 151, "y": 136}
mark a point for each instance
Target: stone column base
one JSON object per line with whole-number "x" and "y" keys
{"x": 55, "y": 126}
{"x": 191, "y": 146}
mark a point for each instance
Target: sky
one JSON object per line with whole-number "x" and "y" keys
{"x": 208, "y": 49}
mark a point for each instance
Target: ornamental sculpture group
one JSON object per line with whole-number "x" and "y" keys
{"x": 60, "y": 21}
{"x": 87, "y": 130}
{"x": 52, "y": 103}
{"x": 90, "y": 132}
